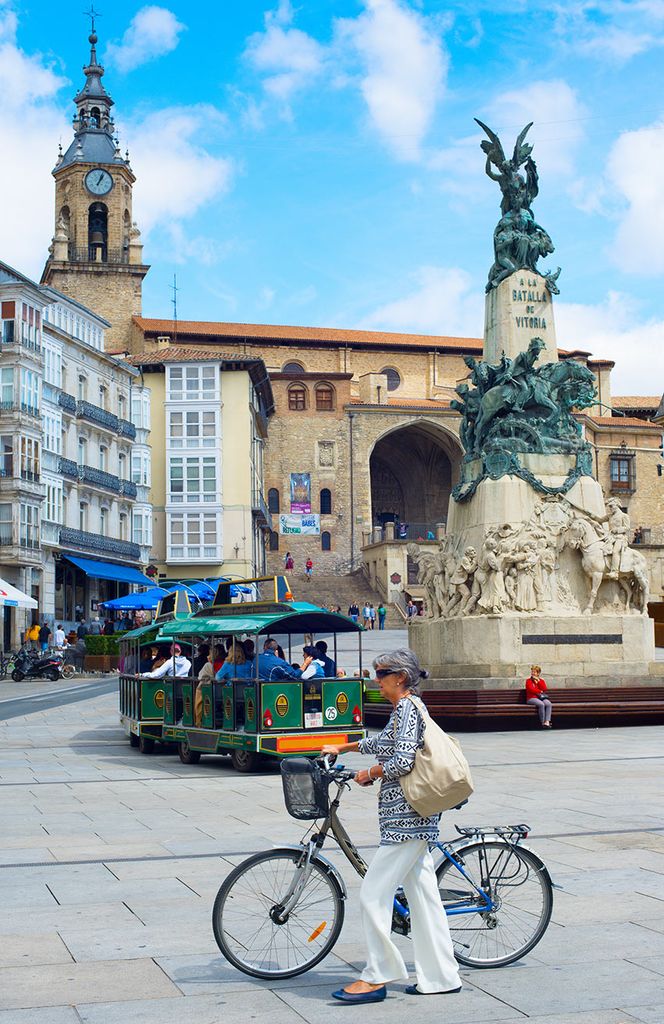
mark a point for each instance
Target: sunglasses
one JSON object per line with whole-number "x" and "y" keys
{"x": 382, "y": 672}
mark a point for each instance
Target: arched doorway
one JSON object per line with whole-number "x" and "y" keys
{"x": 412, "y": 470}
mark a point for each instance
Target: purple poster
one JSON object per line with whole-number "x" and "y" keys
{"x": 300, "y": 492}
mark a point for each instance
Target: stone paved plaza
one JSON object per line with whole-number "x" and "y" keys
{"x": 109, "y": 863}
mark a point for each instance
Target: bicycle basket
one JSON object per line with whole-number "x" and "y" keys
{"x": 305, "y": 788}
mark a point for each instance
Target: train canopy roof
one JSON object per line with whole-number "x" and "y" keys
{"x": 295, "y": 617}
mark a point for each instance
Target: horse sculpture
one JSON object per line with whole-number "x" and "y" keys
{"x": 632, "y": 574}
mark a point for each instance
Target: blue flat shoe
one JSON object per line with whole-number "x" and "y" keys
{"x": 375, "y": 996}
{"x": 413, "y": 990}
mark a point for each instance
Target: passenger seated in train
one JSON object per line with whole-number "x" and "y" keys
{"x": 176, "y": 661}
{"x": 272, "y": 667}
{"x": 329, "y": 665}
{"x": 313, "y": 663}
{"x": 236, "y": 665}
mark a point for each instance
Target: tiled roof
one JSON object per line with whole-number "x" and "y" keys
{"x": 406, "y": 403}
{"x": 180, "y": 354}
{"x": 636, "y": 401}
{"x": 624, "y": 421}
{"x": 278, "y": 332}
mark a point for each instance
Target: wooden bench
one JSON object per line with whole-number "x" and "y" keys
{"x": 493, "y": 709}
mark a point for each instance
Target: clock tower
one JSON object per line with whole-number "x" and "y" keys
{"x": 96, "y": 255}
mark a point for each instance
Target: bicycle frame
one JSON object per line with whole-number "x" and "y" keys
{"x": 332, "y": 824}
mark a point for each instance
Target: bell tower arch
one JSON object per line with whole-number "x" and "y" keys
{"x": 96, "y": 255}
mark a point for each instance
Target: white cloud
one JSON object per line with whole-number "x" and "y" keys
{"x": 288, "y": 58}
{"x": 176, "y": 174}
{"x": 153, "y": 32}
{"x": 403, "y": 71}
{"x": 443, "y": 300}
{"x": 31, "y": 123}
{"x": 557, "y": 131}
{"x": 610, "y": 30}
{"x": 634, "y": 173}
{"x": 614, "y": 329}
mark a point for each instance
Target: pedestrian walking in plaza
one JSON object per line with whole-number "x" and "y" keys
{"x": 32, "y": 635}
{"x": 403, "y": 857}
{"x": 59, "y": 637}
{"x": 536, "y": 695}
{"x": 354, "y": 611}
{"x": 82, "y": 630}
{"x": 372, "y": 617}
{"x": 411, "y": 609}
{"x": 44, "y": 634}
{"x": 366, "y": 616}
{"x": 109, "y": 628}
{"x": 288, "y": 561}
{"x": 382, "y": 612}
{"x": 309, "y": 568}
{"x": 95, "y": 627}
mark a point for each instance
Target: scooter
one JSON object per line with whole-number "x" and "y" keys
{"x": 33, "y": 666}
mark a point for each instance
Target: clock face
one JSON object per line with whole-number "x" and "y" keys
{"x": 98, "y": 181}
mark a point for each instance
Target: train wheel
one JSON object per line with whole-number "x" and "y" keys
{"x": 146, "y": 745}
{"x": 245, "y": 760}
{"x": 133, "y": 740}
{"x": 187, "y": 755}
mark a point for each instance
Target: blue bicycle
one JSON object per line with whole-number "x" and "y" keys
{"x": 279, "y": 913}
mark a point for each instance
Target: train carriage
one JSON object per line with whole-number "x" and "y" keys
{"x": 249, "y": 717}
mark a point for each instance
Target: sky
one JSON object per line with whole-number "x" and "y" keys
{"x": 318, "y": 163}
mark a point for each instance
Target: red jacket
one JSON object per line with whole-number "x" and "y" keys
{"x": 535, "y": 689}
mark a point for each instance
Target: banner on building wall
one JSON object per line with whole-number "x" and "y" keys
{"x": 300, "y": 492}
{"x": 300, "y": 524}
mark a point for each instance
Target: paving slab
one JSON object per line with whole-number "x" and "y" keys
{"x": 41, "y": 1015}
{"x": 21, "y": 950}
{"x": 103, "y": 981}
{"x": 647, "y": 1014}
{"x": 231, "y": 1008}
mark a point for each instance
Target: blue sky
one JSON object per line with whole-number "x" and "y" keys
{"x": 319, "y": 164}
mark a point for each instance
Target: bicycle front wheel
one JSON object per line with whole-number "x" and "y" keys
{"x": 520, "y": 888}
{"x": 248, "y": 925}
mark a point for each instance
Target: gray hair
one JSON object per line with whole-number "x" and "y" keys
{"x": 403, "y": 661}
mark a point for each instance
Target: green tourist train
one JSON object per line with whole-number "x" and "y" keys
{"x": 254, "y": 711}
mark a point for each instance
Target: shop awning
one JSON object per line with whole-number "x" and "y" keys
{"x": 15, "y": 598}
{"x": 109, "y": 570}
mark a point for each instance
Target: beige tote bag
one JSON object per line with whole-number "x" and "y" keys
{"x": 440, "y": 778}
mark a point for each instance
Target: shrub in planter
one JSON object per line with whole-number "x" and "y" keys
{"x": 95, "y": 644}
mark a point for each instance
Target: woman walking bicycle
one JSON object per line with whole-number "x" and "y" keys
{"x": 403, "y": 857}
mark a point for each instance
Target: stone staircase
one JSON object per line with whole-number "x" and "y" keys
{"x": 329, "y": 591}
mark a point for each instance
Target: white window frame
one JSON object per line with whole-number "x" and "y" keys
{"x": 186, "y": 534}
{"x": 192, "y": 428}
{"x": 192, "y": 382}
{"x": 192, "y": 468}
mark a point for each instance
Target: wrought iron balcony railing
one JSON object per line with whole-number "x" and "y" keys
{"x": 67, "y": 402}
{"x": 68, "y": 468}
{"x": 128, "y": 488}
{"x": 263, "y": 513}
{"x": 97, "y": 542}
{"x": 99, "y": 478}
{"x": 126, "y": 429}
{"x": 88, "y": 411}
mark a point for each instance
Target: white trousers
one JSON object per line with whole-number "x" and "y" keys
{"x": 408, "y": 864}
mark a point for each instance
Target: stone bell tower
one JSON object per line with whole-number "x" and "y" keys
{"x": 96, "y": 255}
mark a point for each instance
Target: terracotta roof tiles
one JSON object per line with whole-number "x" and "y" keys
{"x": 636, "y": 401}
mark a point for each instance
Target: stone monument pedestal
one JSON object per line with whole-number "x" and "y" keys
{"x": 496, "y": 651}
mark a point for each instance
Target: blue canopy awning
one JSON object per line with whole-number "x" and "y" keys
{"x": 109, "y": 570}
{"x": 146, "y": 600}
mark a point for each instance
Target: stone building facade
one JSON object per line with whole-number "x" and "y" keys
{"x": 367, "y": 416}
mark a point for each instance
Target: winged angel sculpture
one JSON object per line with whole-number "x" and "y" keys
{"x": 518, "y": 240}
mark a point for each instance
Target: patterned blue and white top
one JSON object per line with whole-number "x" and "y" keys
{"x": 395, "y": 751}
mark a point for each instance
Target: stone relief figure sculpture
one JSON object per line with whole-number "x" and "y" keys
{"x": 429, "y": 567}
{"x": 632, "y": 576}
{"x": 461, "y": 582}
{"x": 489, "y": 579}
{"x": 619, "y": 527}
{"x": 518, "y": 240}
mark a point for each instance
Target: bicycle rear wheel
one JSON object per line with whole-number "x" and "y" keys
{"x": 245, "y": 917}
{"x": 520, "y": 888}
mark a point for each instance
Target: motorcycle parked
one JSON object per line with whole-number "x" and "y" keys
{"x": 30, "y": 665}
